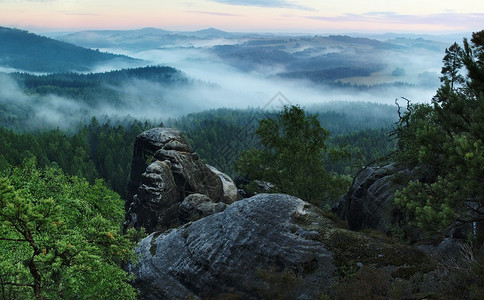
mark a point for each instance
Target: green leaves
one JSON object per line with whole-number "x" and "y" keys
{"x": 61, "y": 237}
{"x": 292, "y": 157}
{"x": 446, "y": 140}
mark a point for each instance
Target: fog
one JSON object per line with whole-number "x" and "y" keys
{"x": 46, "y": 111}
{"x": 215, "y": 83}
{"x": 221, "y": 85}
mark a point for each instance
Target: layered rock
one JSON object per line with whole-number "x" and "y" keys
{"x": 145, "y": 146}
{"x": 157, "y": 200}
{"x": 231, "y": 193}
{"x": 370, "y": 201}
{"x": 270, "y": 246}
{"x": 197, "y": 206}
{"x": 165, "y": 170}
{"x": 230, "y": 252}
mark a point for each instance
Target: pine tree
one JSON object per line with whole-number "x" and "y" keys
{"x": 60, "y": 237}
{"x": 446, "y": 138}
{"x": 452, "y": 65}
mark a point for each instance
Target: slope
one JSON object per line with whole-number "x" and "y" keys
{"x": 26, "y": 51}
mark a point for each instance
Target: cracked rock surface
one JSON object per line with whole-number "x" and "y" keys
{"x": 165, "y": 171}
{"x": 244, "y": 250}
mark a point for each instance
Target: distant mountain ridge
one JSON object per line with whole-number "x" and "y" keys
{"x": 141, "y": 39}
{"x": 29, "y": 52}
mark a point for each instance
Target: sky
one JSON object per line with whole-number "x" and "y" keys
{"x": 304, "y": 16}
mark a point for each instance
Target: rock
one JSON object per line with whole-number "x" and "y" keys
{"x": 174, "y": 172}
{"x": 370, "y": 201}
{"x": 197, "y": 206}
{"x": 155, "y": 205}
{"x": 191, "y": 174}
{"x": 145, "y": 146}
{"x": 449, "y": 249}
{"x": 241, "y": 250}
{"x": 231, "y": 193}
{"x": 269, "y": 246}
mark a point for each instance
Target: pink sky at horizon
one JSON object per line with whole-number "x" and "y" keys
{"x": 416, "y": 16}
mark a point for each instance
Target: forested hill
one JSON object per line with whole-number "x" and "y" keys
{"x": 26, "y": 51}
{"x": 62, "y": 82}
{"x": 64, "y": 99}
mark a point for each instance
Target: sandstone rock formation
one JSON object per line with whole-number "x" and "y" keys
{"x": 231, "y": 193}
{"x": 197, "y": 206}
{"x": 270, "y": 246}
{"x": 370, "y": 201}
{"x": 165, "y": 170}
{"x": 145, "y": 146}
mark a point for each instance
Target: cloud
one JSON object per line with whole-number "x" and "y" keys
{"x": 213, "y": 13}
{"x": 447, "y": 19}
{"x": 264, "y": 3}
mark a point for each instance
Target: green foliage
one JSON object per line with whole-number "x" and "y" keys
{"x": 452, "y": 65}
{"x": 365, "y": 148}
{"x": 219, "y": 136}
{"x": 61, "y": 237}
{"x": 95, "y": 151}
{"x": 103, "y": 149}
{"x": 292, "y": 157}
{"x": 446, "y": 138}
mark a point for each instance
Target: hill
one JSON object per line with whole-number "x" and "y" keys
{"x": 26, "y": 51}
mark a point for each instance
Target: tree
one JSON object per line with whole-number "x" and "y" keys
{"x": 446, "y": 138}
{"x": 452, "y": 65}
{"x": 292, "y": 157}
{"x": 60, "y": 237}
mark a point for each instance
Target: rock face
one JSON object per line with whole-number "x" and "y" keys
{"x": 231, "y": 193}
{"x": 233, "y": 252}
{"x": 165, "y": 170}
{"x": 145, "y": 146}
{"x": 370, "y": 200}
{"x": 269, "y": 246}
{"x": 197, "y": 206}
{"x": 157, "y": 200}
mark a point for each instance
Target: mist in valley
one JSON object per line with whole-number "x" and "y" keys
{"x": 239, "y": 72}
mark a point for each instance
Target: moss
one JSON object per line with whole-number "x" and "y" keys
{"x": 333, "y": 217}
{"x": 228, "y": 296}
{"x": 349, "y": 247}
{"x": 368, "y": 283}
{"x": 278, "y": 284}
{"x": 406, "y": 272}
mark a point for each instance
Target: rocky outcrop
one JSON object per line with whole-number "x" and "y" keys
{"x": 269, "y": 246}
{"x": 230, "y": 251}
{"x": 231, "y": 193}
{"x": 370, "y": 201}
{"x": 197, "y": 206}
{"x": 145, "y": 146}
{"x": 165, "y": 170}
{"x": 156, "y": 202}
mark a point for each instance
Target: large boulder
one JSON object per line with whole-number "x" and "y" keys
{"x": 191, "y": 174}
{"x": 269, "y": 246}
{"x": 233, "y": 251}
{"x": 165, "y": 170}
{"x": 370, "y": 201}
{"x": 231, "y": 193}
{"x": 197, "y": 206}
